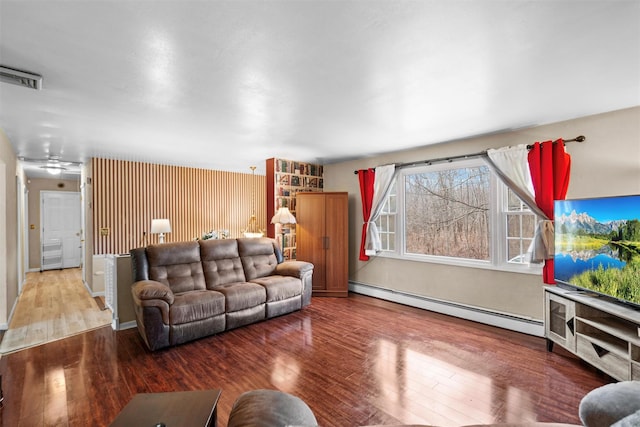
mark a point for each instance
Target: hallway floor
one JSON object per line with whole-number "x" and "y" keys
{"x": 54, "y": 304}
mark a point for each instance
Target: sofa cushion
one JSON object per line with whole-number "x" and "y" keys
{"x": 632, "y": 420}
{"x": 280, "y": 287}
{"x": 196, "y": 305}
{"x": 221, "y": 262}
{"x": 240, "y": 296}
{"x": 177, "y": 265}
{"x": 610, "y": 403}
{"x": 270, "y": 408}
{"x": 258, "y": 256}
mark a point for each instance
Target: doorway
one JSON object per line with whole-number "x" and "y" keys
{"x": 61, "y": 230}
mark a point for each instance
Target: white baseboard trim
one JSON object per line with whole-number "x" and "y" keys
{"x": 476, "y": 314}
{"x": 93, "y": 294}
{"x": 117, "y": 326}
{"x": 5, "y": 326}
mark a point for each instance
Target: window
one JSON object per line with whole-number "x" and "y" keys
{"x": 386, "y": 222}
{"x": 520, "y": 225}
{"x": 456, "y": 213}
{"x": 447, "y": 212}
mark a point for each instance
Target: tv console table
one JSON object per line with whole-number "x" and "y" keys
{"x": 603, "y": 333}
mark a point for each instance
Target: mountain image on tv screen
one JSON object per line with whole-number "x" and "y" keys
{"x": 597, "y": 245}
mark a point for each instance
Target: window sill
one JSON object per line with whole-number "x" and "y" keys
{"x": 485, "y": 265}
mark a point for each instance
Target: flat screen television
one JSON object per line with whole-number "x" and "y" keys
{"x": 597, "y": 247}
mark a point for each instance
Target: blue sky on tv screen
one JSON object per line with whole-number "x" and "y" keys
{"x": 602, "y": 209}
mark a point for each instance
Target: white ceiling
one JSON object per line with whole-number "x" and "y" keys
{"x": 227, "y": 84}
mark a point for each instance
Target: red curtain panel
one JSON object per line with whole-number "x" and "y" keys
{"x": 367, "y": 178}
{"x": 550, "y": 168}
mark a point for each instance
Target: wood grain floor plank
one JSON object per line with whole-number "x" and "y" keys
{"x": 355, "y": 361}
{"x": 54, "y": 304}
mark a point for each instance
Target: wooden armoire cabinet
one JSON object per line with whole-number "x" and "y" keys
{"x": 322, "y": 232}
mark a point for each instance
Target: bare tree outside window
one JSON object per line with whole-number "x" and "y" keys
{"x": 458, "y": 214}
{"x": 447, "y": 213}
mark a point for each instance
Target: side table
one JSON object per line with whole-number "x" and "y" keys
{"x": 173, "y": 409}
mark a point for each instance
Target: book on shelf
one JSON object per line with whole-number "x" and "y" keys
{"x": 283, "y": 202}
{"x": 283, "y": 179}
{"x": 283, "y": 191}
{"x": 289, "y": 240}
{"x": 311, "y": 182}
{"x": 283, "y": 165}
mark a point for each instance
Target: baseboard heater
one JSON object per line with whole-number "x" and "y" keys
{"x": 476, "y": 314}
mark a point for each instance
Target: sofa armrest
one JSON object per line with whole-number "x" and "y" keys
{"x": 152, "y": 301}
{"x": 302, "y": 270}
{"x": 145, "y": 290}
{"x": 294, "y": 268}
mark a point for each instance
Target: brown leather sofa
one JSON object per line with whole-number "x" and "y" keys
{"x": 188, "y": 290}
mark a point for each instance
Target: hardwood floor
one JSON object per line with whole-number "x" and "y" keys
{"x": 54, "y": 304}
{"x": 355, "y": 361}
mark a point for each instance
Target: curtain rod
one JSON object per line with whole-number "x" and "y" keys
{"x": 580, "y": 138}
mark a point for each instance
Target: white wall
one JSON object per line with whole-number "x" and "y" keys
{"x": 8, "y": 231}
{"x": 606, "y": 164}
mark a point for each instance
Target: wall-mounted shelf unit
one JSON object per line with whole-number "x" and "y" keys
{"x": 286, "y": 178}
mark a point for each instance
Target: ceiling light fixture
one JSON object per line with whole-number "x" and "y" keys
{"x": 53, "y": 169}
{"x": 52, "y": 165}
{"x": 20, "y": 78}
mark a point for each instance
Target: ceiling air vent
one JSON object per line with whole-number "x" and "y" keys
{"x": 20, "y": 78}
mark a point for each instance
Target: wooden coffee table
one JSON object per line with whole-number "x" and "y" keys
{"x": 181, "y": 408}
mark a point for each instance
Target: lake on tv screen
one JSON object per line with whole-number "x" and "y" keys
{"x": 567, "y": 265}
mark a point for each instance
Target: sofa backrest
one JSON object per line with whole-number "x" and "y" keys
{"x": 258, "y": 256}
{"x": 177, "y": 265}
{"x": 221, "y": 262}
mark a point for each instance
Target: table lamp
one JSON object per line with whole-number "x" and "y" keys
{"x": 160, "y": 226}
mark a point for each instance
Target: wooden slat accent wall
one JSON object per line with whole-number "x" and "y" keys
{"x": 128, "y": 195}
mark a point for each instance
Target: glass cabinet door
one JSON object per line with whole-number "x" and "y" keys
{"x": 559, "y": 325}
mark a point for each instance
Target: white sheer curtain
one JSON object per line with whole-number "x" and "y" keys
{"x": 381, "y": 186}
{"x": 512, "y": 166}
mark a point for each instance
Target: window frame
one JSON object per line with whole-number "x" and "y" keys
{"x": 390, "y": 216}
{"x": 498, "y": 246}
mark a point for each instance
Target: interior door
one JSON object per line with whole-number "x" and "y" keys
{"x": 61, "y": 229}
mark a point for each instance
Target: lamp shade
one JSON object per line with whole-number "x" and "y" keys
{"x": 160, "y": 226}
{"x": 283, "y": 216}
